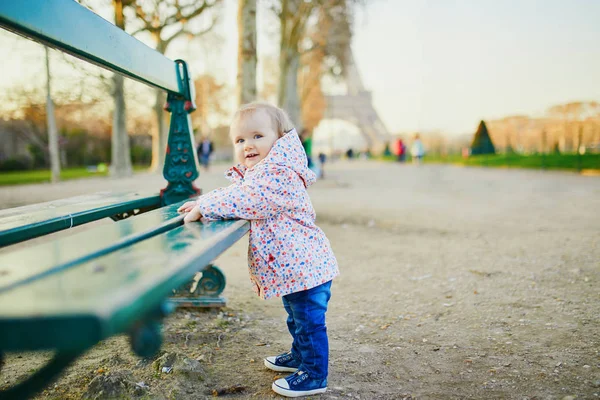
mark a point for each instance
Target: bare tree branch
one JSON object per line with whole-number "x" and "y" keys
{"x": 104, "y": 80}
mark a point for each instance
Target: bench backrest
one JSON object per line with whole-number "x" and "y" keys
{"x": 74, "y": 29}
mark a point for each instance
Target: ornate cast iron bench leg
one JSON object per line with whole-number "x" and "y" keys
{"x": 206, "y": 293}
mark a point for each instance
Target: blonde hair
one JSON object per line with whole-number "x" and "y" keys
{"x": 279, "y": 118}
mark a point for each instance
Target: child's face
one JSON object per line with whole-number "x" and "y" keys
{"x": 253, "y": 137}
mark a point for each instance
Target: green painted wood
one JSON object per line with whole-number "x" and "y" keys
{"x": 23, "y": 223}
{"x": 76, "y": 307}
{"x": 74, "y": 29}
{"x": 28, "y": 263}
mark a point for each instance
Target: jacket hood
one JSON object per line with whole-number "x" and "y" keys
{"x": 286, "y": 152}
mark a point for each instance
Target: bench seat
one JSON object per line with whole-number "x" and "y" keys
{"x": 27, "y": 222}
{"x": 71, "y": 293}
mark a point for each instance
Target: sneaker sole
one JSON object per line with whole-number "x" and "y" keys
{"x": 296, "y": 393}
{"x": 277, "y": 368}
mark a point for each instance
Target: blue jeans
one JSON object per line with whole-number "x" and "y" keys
{"x": 204, "y": 159}
{"x": 306, "y": 323}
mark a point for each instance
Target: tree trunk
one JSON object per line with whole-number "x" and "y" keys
{"x": 159, "y": 140}
{"x": 289, "y": 61}
{"x": 291, "y": 101}
{"x": 284, "y": 66}
{"x": 287, "y": 95}
{"x": 246, "y": 76}
{"x": 120, "y": 164}
{"x": 284, "y": 53}
{"x": 51, "y": 123}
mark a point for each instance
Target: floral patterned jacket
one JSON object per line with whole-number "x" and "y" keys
{"x": 287, "y": 252}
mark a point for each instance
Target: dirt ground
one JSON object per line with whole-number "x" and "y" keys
{"x": 456, "y": 283}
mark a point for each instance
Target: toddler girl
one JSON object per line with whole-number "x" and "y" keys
{"x": 288, "y": 255}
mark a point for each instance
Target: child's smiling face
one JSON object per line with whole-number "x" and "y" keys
{"x": 253, "y": 136}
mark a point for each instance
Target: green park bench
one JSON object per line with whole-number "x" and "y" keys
{"x": 69, "y": 292}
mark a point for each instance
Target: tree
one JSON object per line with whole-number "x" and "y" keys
{"x": 165, "y": 21}
{"x": 482, "y": 143}
{"x": 572, "y": 115}
{"x": 120, "y": 164}
{"x": 312, "y": 100}
{"x": 330, "y": 42}
{"x": 51, "y": 125}
{"x": 270, "y": 73}
{"x": 210, "y": 102}
{"x": 556, "y": 148}
{"x": 76, "y": 118}
{"x": 295, "y": 18}
{"x": 246, "y": 74}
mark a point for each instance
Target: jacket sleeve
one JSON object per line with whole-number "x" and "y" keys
{"x": 264, "y": 195}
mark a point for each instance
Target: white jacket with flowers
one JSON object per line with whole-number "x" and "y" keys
{"x": 287, "y": 252}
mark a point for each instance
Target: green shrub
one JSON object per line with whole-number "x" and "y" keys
{"x": 141, "y": 155}
{"x": 38, "y": 156}
{"x": 16, "y": 164}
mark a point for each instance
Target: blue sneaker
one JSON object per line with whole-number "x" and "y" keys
{"x": 299, "y": 384}
{"x": 282, "y": 363}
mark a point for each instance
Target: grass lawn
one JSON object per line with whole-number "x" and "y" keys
{"x": 41, "y": 176}
{"x": 536, "y": 161}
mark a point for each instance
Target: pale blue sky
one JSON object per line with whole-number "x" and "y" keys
{"x": 444, "y": 64}
{"x": 437, "y": 64}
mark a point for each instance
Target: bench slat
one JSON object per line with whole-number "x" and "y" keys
{"x": 74, "y": 29}
{"x": 76, "y": 307}
{"x": 26, "y": 264}
{"x": 29, "y": 263}
{"x": 23, "y": 223}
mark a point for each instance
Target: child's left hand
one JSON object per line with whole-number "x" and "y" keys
{"x": 193, "y": 215}
{"x": 187, "y": 207}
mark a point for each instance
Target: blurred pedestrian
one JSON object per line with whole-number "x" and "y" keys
{"x": 417, "y": 150}
{"x": 322, "y": 159}
{"x": 306, "y": 139}
{"x": 204, "y": 150}
{"x": 400, "y": 150}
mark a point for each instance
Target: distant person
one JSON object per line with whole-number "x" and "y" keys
{"x": 322, "y": 159}
{"x": 417, "y": 150}
{"x": 350, "y": 153}
{"x": 400, "y": 150}
{"x": 204, "y": 150}
{"x": 306, "y": 139}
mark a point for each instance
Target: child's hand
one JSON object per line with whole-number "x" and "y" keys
{"x": 193, "y": 215}
{"x": 186, "y": 207}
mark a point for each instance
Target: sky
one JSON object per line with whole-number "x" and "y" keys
{"x": 446, "y": 64}
{"x": 443, "y": 65}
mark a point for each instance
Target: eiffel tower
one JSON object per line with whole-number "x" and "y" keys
{"x": 356, "y": 107}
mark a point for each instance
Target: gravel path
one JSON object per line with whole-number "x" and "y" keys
{"x": 456, "y": 283}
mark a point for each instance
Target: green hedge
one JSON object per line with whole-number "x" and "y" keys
{"x": 537, "y": 161}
